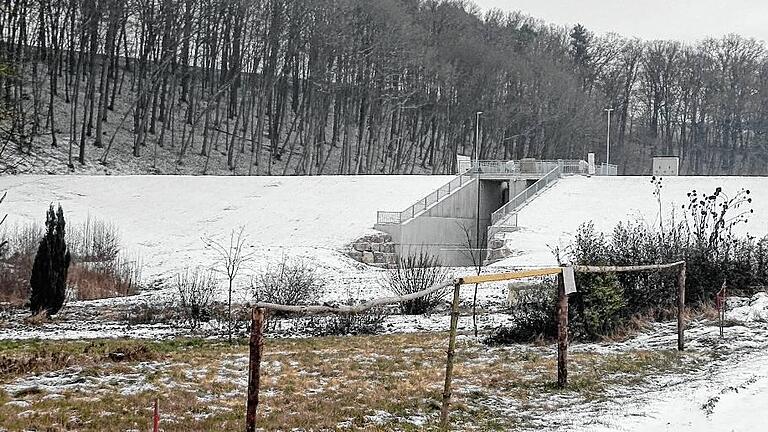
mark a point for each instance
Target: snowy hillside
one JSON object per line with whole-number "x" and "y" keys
{"x": 552, "y": 218}
{"x": 162, "y": 218}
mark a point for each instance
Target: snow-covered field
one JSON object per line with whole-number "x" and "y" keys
{"x": 552, "y": 218}
{"x": 163, "y": 220}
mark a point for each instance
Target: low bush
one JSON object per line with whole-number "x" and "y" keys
{"x": 145, "y": 313}
{"x": 533, "y": 314}
{"x": 598, "y": 307}
{"x": 196, "y": 289}
{"x": 219, "y": 322}
{"x": 365, "y": 323}
{"x": 414, "y": 273}
{"x": 291, "y": 282}
{"x": 704, "y": 237}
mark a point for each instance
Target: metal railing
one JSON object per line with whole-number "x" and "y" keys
{"x": 547, "y": 169}
{"x": 525, "y": 195}
{"x": 525, "y": 166}
{"x": 394, "y": 218}
{"x": 607, "y": 170}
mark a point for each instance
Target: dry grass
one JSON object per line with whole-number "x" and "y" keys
{"x": 92, "y": 281}
{"x": 98, "y": 269}
{"x": 313, "y": 384}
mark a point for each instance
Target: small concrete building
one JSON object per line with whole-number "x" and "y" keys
{"x": 666, "y": 166}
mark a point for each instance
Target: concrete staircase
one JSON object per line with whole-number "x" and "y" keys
{"x": 505, "y": 218}
{"x": 445, "y": 222}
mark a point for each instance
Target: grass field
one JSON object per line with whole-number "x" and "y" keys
{"x": 391, "y": 382}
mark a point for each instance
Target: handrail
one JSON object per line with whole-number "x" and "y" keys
{"x": 393, "y": 218}
{"x": 469, "y": 169}
{"x": 605, "y": 169}
{"x": 523, "y": 196}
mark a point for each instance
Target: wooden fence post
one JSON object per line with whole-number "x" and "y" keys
{"x": 562, "y": 333}
{"x": 256, "y": 346}
{"x": 681, "y": 307}
{"x": 156, "y": 417}
{"x": 449, "y": 362}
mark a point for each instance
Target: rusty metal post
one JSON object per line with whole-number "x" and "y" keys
{"x": 449, "y": 362}
{"x": 256, "y": 345}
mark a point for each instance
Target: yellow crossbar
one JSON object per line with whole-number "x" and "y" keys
{"x": 508, "y": 276}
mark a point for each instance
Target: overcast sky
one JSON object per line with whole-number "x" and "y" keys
{"x": 687, "y": 20}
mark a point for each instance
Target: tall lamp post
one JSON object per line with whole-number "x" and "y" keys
{"x": 477, "y": 175}
{"x": 608, "y": 139}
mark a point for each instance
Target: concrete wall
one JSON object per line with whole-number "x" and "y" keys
{"x": 446, "y": 228}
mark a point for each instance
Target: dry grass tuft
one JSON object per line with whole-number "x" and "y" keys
{"x": 37, "y": 319}
{"x": 91, "y": 281}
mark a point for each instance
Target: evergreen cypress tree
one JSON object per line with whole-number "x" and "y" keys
{"x": 49, "y": 272}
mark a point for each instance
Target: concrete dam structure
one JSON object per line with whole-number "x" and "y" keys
{"x": 488, "y": 193}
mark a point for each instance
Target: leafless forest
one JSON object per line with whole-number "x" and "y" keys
{"x": 359, "y": 87}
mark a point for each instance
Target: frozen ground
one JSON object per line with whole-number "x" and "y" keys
{"x": 551, "y": 219}
{"x": 727, "y": 393}
{"x": 162, "y": 220}
{"x": 717, "y": 384}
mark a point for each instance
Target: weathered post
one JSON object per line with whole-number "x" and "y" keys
{"x": 256, "y": 346}
{"x": 156, "y": 417}
{"x": 449, "y": 362}
{"x": 562, "y": 333}
{"x": 681, "y": 307}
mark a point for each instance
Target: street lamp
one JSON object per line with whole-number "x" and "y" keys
{"x": 477, "y": 137}
{"x": 608, "y": 139}
{"x": 477, "y": 173}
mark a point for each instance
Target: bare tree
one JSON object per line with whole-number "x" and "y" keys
{"x": 231, "y": 259}
{"x": 475, "y": 253}
{"x": 3, "y": 242}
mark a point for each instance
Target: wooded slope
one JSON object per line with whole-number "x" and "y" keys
{"x": 358, "y": 87}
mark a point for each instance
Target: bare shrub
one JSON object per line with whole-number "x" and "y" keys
{"x": 292, "y": 282}
{"x": 95, "y": 240}
{"x": 224, "y": 323}
{"x": 23, "y": 240}
{"x": 15, "y": 272}
{"x": 414, "y": 273}
{"x": 196, "y": 289}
